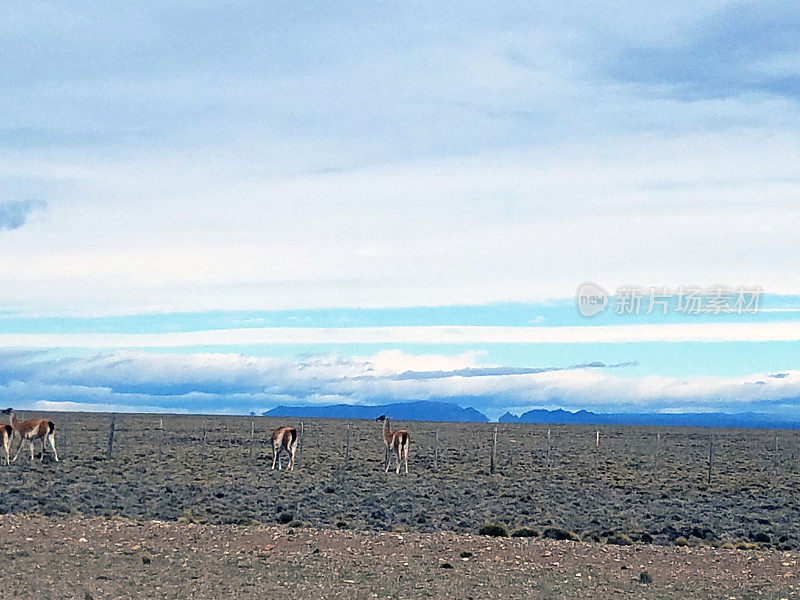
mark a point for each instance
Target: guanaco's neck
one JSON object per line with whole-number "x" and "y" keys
{"x": 387, "y": 432}
{"x": 12, "y": 419}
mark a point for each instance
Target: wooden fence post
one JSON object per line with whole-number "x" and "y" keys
{"x": 203, "y": 451}
{"x": 161, "y": 439}
{"x": 657, "y": 450}
{"x": 493, "y": 460}
{"x": 547, "y": 459}
{"x": 597, "y": 451}
{"x": 347, "y": 448}
{"x": 775, "y": 463}
{"x": 301, "y": 441}
{"x": 710, "y": 455}
{"x": 436, "y": 449}
{"x": 64, "y": 440}
{"x": 110, "y": 448}
{"x": 252, "y": 438}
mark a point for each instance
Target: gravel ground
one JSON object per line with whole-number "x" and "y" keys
{"x": 85, "y": 558}
{"x": 171, "y": 474}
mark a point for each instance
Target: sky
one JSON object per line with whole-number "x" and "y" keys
{"x": 223, "y": 207}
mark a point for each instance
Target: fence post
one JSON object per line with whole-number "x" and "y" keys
{"x": 547, "y": 458}
{"x": 347, "y": 448}
{"x": 65, "y": 441}
{"x": 775, "y": 463}
{"x": 597, "y": 451}
{"x": 161, "y": 439}
{"x": 252, "y": 438}
{"x": 493, "y": 460}
{"x": 301, "y": 441}
{"x": 436, "y": 449}
{"x": 657, "y": 450}
{"x": 110, "y": 448}
{"x": 710, "y": 455}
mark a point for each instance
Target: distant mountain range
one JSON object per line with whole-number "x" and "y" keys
{"x": 445, "y": 411}
{"x": 406, "y": 411}
{"x": 584, "y": 417}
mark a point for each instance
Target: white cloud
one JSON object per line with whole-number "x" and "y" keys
{"x": 48, "y": 405}
{"x": 434, "y": 334}
{"x": 360, "y": 160}
{"x": 238, "y": 384}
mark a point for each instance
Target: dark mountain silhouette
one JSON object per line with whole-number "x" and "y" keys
{"x": 406, "y": 411}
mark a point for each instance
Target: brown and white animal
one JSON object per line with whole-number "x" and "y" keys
{"x": 6, "y": 433}
{"x": 396, "y": 444}
{"x": 30, "y": 430}
{"x": 284, "y": 438}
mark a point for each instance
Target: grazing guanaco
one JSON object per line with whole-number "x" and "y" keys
{"x": 284, "y": 438}
{"x": 396, "y": 443}
{"x": 44, "y": 429}
{"x": 6, "y": 432}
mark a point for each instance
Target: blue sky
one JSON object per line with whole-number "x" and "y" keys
{"x": 184, "y": 187}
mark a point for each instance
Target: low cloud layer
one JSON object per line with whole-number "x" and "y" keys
{"x": 227, "y": 383}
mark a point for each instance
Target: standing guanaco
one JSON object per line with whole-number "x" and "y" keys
{"x": 43, "y": 429}
{"x": 284, "y": 438}
{"x": 6, "y": 433}
{"x": 396, "y": 443}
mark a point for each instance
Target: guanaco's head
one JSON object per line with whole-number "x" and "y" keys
{"x": 7, "y": 411}
{"x": 381, "y": 418}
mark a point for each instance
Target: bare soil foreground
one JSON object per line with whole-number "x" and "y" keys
{"x": 705, "y": 513}
{"x": 80, "y": 558}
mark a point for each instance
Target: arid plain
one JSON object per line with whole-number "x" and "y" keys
{"x": 200, "y": 489}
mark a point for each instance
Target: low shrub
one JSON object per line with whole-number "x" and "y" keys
{"x": 524, "y": 532}
{"x": 681, "y": 541}
{"x": 746, "y": 546}
{"x": 556, "y": 533}
{"x": 493, "y": 530}
{"x": 285, "y": 518}
{"x": 620, "y": 539}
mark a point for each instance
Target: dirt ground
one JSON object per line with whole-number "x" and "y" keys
{"x": 649, "y": 484}
{"x": 187, "y": 507}
{"x": 99, "y": 558}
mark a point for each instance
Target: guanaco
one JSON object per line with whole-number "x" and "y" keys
{"x": 284, "y": 438}
{"x": 44, "y": 429}
{"x": 396, "y": 443}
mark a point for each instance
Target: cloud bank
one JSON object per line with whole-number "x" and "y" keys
{"x": 435, "y": 334}
{"x": 226, "y": 383}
